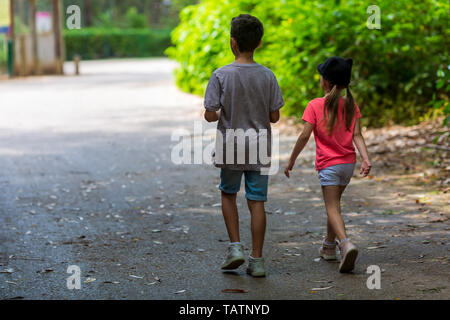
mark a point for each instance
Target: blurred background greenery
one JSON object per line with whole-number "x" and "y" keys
{"x": 401, "y": 72}
{"x": 3, "y": 53}
{"x": 132, "y": 28}
{"x": 400, "y": 75}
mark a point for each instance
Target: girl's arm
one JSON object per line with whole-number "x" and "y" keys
{"x": 299, "y": 145}
{"x": 358, "y": 139}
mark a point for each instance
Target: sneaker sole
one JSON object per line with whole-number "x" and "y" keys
{"x": 256, "y": 275}
{"x": 233, "y": 264}
{"x": 348, "y": 262}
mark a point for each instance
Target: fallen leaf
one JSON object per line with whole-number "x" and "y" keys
{"x": 438, "y": 220}
{"x": 377, "y": 247}
{"x": 322, "y": 281}
{"x": 180, "y": 291}
{"x": 88, "y": 280}
{"x": 234, "y": 291}
{"x": 9, "y": 270}
{"x": 321, "y": 289}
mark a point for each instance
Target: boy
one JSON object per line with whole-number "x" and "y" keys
{"x": 243, "y": 96}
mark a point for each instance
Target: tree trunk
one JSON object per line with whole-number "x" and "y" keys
{"x": 87, "y": 13}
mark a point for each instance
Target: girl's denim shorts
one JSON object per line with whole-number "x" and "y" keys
{"x": 337, "y": 175}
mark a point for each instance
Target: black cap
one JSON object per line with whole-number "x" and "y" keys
{"x": 337, "y": 70}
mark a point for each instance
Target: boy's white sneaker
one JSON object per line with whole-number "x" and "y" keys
{"x": 235, "y": 257}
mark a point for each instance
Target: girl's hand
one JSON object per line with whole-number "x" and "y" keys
{"x": 288, "y": 168}
{"x": 365, "y": 168}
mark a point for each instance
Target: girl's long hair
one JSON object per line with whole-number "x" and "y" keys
{"x": 330, "y": 112}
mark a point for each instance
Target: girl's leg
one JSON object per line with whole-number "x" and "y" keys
{"x": 331, "y": 235}
{"x": 335, "y": 223}
{"x": 258, "y": 226}
{"x": 230, "y": 215}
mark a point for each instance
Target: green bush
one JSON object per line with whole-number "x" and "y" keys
{"x": 397, "y": 69}
{"x": 3, "y": 55}
{"x": 95, "y": 43}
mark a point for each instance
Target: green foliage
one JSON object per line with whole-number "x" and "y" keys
{"x": 132, "y": 19}
{"x": 397, "y": 69}
{"x": 95, "y": 43}
{"x": 135, "y": 19}
{"x": 126, "y": 14}
{"x": 3, "y": 54}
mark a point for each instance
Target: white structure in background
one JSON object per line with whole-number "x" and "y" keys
{"x": 38, "y": 48}
{"x": 43, "y": 22}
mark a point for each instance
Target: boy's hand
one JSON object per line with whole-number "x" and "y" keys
{"x": 365, "y": 168}
{"x": 212, "y": 116}
{"x": 288, "y": 168}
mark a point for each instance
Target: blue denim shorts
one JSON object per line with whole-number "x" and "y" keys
{"x": 338, "y": 175}
{"x": 256, "y": 184}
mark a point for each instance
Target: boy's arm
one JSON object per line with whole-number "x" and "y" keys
{"x": 212, "y": 116}
{"x": 358, "y": 139}
{"x": 212, "y": 100}
{"x": 299, "y": 145}
{"x": 274, "y": 116}
{"x": 276, "y": 100}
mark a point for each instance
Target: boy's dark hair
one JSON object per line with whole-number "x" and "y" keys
{"x": 248, "y": 32}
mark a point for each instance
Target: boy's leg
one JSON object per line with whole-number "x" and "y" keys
{"x": 258, "y": 226}
{"x": 230, "y": 215}
{"x": 256, "y": 186}
{"x": 332, "y": 198}
{"x": 230, "y": 183}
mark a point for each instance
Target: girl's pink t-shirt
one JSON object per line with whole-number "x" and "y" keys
{"x": 337, "y": 148}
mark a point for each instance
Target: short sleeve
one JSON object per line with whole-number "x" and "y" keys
{"x": 309, "y": 114}
{"x": 357, "y": 112}
{"x": 276, "y": 98}
{"x": 212, "y": 94}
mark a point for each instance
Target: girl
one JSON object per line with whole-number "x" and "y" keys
{"x": 335, "y": 122}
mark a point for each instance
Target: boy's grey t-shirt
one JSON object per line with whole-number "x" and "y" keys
{"x": 245, "y": 94}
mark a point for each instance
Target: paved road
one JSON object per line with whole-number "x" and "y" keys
{"x": 86, "y": 179}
